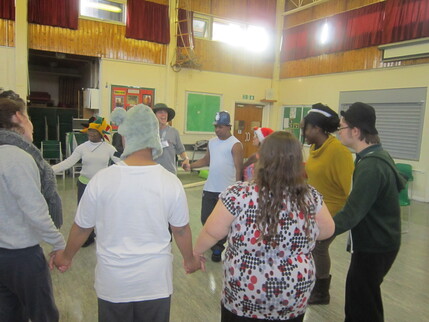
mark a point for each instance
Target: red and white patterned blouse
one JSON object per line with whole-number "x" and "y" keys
{"x": 268, "y": 280}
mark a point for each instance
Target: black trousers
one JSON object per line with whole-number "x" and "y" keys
{"x": 26, "y": 286}
{"x": 208, "y": 203}
{"x": 364, "y": 278}
{"x": 227, "y": 316}
{"x": 80, "y": 190}
{"x": 143, "y": 311}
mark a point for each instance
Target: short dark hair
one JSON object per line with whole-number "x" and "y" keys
{"x": 362, "y": 116}
{"x": 8, "y": 108}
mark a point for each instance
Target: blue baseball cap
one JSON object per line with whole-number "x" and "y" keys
{"x": 222, "y": 118}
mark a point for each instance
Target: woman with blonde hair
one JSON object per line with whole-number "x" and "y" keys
{"x": 272, "y": 225}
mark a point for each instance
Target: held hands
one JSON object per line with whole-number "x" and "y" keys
{"x": 196, "y": 263}
{"x": 58, "y": 260}
{"x": 185, "y": 165}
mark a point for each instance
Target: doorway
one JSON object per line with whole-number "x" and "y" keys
{"x": 247, "y": 116}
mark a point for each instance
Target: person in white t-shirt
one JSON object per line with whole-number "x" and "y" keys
{"x": 95, "y": 154}
{"x": 224, "y": 157}
{"x": 133, "y": 276}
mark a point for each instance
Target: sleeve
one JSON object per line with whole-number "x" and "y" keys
{"x": 232, "y": 200}
{"x": 24, "y": 184}
{"x": 343, "y": 170}
{"x": 180, "y": 148}
{"x": 179, "y": 211}
{"x": 70, "y": 161}
{"x": 365, "y": 190}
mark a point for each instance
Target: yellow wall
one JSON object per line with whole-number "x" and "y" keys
{"x": 326, "y": 89}
{"x": 171, "y": 87}
{"x": 7, "y": 68}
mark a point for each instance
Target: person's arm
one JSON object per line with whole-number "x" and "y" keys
{"x": 183, "y": 238}
{"x": 215, "y": 228}
{"x": 250, "y": 160}
{"x": 325, "y": 222}
{"x": 365, "y": 191}
{"x": 23, "y": 182}
{"x": 185, "y": 162}
{"x": 203, "y": 162}
{"x": 69, "y": 162}
{"x": 343, "y": 170}
{"x": 237, "y": 155}
{"x": 77, "y": 237}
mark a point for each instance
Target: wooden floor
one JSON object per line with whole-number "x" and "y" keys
{"x": 196, "y": 297}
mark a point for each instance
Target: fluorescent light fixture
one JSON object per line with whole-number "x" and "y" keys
{"x": 324, "y": 35}
{"x": 101, "y": 6}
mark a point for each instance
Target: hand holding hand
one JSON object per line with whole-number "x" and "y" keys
{"x": 185, "y": 165}
{"x": 197, "y": 262}
{"x": 59, "y": 261}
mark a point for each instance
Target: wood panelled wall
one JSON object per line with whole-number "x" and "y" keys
{"x": 219, "y": 57}
{"x": 323, "y": 10}
{"x": 94, "y": 38}
{"x": 354, "y": 60}
{"x": 7, "y": 33}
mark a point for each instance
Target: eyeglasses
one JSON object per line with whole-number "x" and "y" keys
{"x": 342, "y": 128}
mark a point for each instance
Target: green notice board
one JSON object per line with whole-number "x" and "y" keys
{"x": 201, "y": 110}
{"x": 292, "y": 117}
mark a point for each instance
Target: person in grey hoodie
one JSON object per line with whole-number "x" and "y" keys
{"x": 371, "y": 212}
{"x": 25, "y": 220}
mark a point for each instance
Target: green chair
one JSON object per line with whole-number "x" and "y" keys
{"x": 51, "y": 151}
{"x": 406, "y": 171}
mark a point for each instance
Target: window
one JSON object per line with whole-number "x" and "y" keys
{"x": 400, "y": 115}
{"x": 201, "y": 25}
{"x": 250, "y": 37}
{"x": 106, "y": 10}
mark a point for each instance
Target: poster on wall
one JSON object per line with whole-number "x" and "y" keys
{"x": 127, "y": 96}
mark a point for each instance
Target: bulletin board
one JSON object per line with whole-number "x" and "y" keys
{"x": 127, "y": 96}
{"x": 201, "y": 109}
{"x": 292, "y": 117}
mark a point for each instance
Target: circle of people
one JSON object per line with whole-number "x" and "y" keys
{"x": 277, "y": 213}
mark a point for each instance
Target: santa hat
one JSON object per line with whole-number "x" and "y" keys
{"x": 262, "y": 132}
{"x": 140, "y": 129}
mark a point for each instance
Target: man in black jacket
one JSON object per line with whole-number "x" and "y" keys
{"x": 372, "y": 213}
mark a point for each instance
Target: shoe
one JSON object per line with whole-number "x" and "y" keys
{"x": 217, "y": 256}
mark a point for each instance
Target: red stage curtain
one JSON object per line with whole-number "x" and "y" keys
{"x": 7, "y": 9}
{"x": 57, "y": 13}
{"x": 406, "y": 20}
{"x": 186, "y": 40}
{"x": 347, "y": 31}
{"x": 148, "y": 21}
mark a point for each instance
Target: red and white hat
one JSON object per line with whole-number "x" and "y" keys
{"x": 262, "y": 132}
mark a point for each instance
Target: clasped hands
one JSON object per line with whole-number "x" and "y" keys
{"x": 197, "y": 262}
{"x": 58, "y": 260}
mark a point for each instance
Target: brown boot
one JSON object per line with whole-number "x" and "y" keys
{"x": 320, "y": 293}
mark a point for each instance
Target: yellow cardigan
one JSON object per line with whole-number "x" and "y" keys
{"x": 329, "y": 169}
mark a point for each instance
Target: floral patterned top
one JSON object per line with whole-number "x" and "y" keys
{"x": 268, "y": 280}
